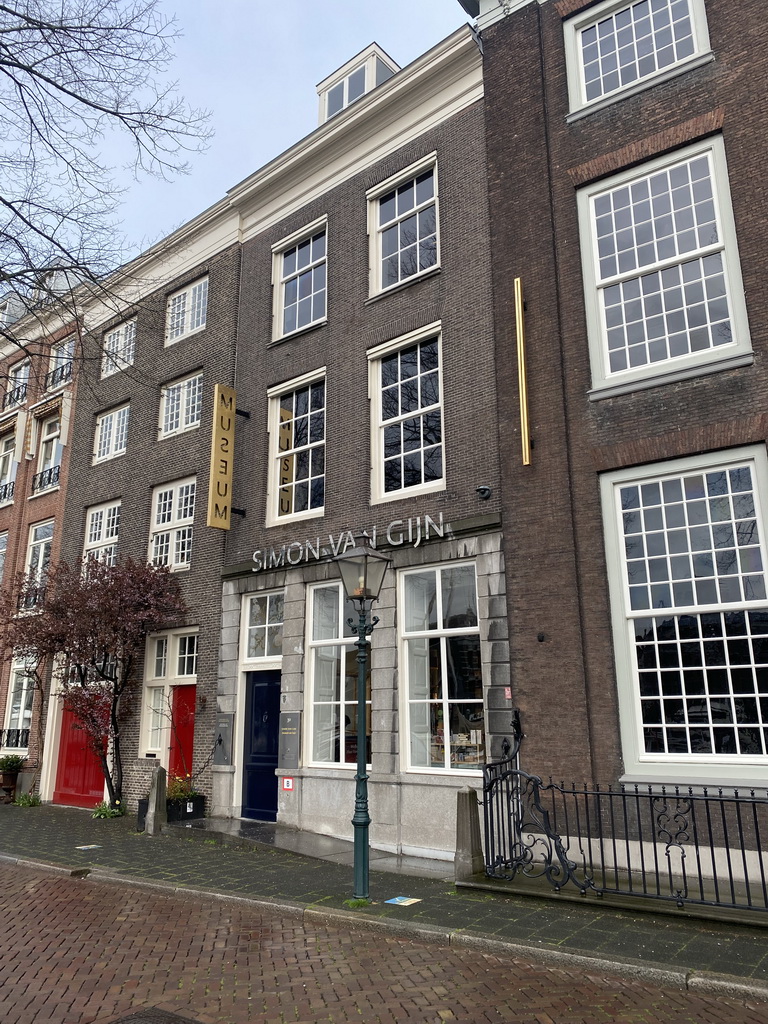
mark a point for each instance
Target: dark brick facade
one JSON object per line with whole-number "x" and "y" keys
{"x": 458, "y": 295}
{"x": 561, "y": 642}
{"x": 150, "y": 461}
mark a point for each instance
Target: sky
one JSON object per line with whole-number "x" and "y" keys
{"x": 255, "y": 65}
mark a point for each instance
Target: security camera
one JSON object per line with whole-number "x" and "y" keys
{"x": 484, "y": 492}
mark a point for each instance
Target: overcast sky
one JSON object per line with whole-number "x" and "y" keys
{"x": 255, "y": 65}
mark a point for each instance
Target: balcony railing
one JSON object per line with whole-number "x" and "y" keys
{"x": 45, "y": 480}
{"x": 14, "y": 739}
{"x": 30, "y": 598}
{"x": 16, "y": 396}
{"x": 58, "y": 375}
{"x": 6, "y": 491}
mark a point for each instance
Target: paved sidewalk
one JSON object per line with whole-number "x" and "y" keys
{"x": 679, "y": 951}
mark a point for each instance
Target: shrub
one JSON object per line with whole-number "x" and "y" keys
{"x": 104, "y": 810}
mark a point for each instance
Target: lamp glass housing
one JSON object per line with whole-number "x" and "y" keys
{"x": 362, "y": 572}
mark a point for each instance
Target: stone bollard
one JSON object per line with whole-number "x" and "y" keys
{"x": 157, "y": 813}
{"x": 468, "y": 860}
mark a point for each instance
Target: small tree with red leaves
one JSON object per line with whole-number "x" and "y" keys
{"x": 89, "y": 624}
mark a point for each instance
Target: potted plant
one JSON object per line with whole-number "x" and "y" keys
{"x": 10, "y": 766}
{"x": 182, "y": 801}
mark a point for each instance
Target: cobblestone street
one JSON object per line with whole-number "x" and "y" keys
{"x": 79, "y": 951}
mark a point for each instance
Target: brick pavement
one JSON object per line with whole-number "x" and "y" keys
{"x": 704, "y": 956}
{"x": 87, "y": 951}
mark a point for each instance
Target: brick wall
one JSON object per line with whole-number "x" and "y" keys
{"x": 458, "y": 295}
{"x": 555, "y": 554}
{"x": 150, "y": 461}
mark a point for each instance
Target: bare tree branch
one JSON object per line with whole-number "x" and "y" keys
{"x": 76, "y": 77}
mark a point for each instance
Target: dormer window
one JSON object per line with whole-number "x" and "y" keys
{"x": 356, "y": 78}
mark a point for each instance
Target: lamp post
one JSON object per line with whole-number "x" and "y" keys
{"x": 362, "y": 573}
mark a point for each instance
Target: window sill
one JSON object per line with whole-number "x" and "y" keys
{"x": 638, "y": 87}
{"x": 671, "y": 376}
{"x": 432, "y": 272}
{"x": 297, "y": 517}
{"x": 107, "y": 458}
{"x": 447, "y": 773}
{"x": 298, "y": 333}
{"x": 176, "y": 433}
{"x": 712, "y": 776}
{"x": 42, "y": 494}
{"x": 170, "y": 342}
{"x": 408, "y": 492}
{"x": 118, "y": 369}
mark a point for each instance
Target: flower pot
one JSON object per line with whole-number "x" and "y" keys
{"x": 177, "y": 810}
{"x": 8, "y": 782}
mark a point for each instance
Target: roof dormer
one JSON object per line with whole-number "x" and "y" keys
{"x": 358, "y": 76}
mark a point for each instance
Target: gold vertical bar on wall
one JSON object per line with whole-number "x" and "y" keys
{"x": 521, "y": 372}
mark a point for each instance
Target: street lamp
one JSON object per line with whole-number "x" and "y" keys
{"x": 362, "y": 573}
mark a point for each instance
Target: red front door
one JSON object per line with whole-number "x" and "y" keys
{"x": 182, "y": 730}
{"x": 79, "y": 778}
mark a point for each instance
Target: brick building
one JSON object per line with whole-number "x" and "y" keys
{"x": 137, "y": 480}
{"x": 626, "y": 143}
{"x": 592, "y": 555}
{"x": 365, "y": 363}
{"x": 344, "y": 290}
{"x": 36, "y": 408}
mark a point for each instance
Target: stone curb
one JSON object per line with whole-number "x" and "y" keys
{"x": 727, "y": 985}
{"x": 56, "y": 869}
{"x": 356, "y": 919}
{"x": 698, "y": 981}
{"x": 628, "y": 968}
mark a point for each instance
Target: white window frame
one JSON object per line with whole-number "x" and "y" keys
{"x": 158, "y": 689}
{"x": 375, "y": 357}
{"x": 279, "y": 280}
{"x": 39, "y": 552}
{"x": 51, "y": 450}
{"x": 111, "y": 435}
{"x": 443, "y": 634}
{"x": 18, "y": 377}
{"x": 3, "y": 552}
{"x": 102, "y": 532}
{"x": 681, "y": 768}
{"x": 176, "y": 527}
{"x": 273, "y": 518}
{"x": 573, "y": 28}
{"x": 373, "y": 197}
{"x": 119, "y": 348}
{"x": 347, "y": 641}
{"x": 62, "y": 356}
{"x": 182, "y": 399}
{"x": 186, "y": 311}
{"x": 8, "y": 464}
{"x": 738, "y": 352}
{"x": 26, "y": 684}
{"x": 275, "y": 604}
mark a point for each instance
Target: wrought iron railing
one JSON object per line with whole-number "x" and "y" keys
{"x": 48, "y": 478}
{"x": 58, "y": 375}
{"x": 30, "y": 598}
{"x": 15, "y": 396}
{"x": 14, "y": 739}
{"x": 683, "y": 845}
{"x": 6, "y": 491}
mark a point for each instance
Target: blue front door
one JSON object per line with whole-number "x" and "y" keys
{"x": 262, "y": 733}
